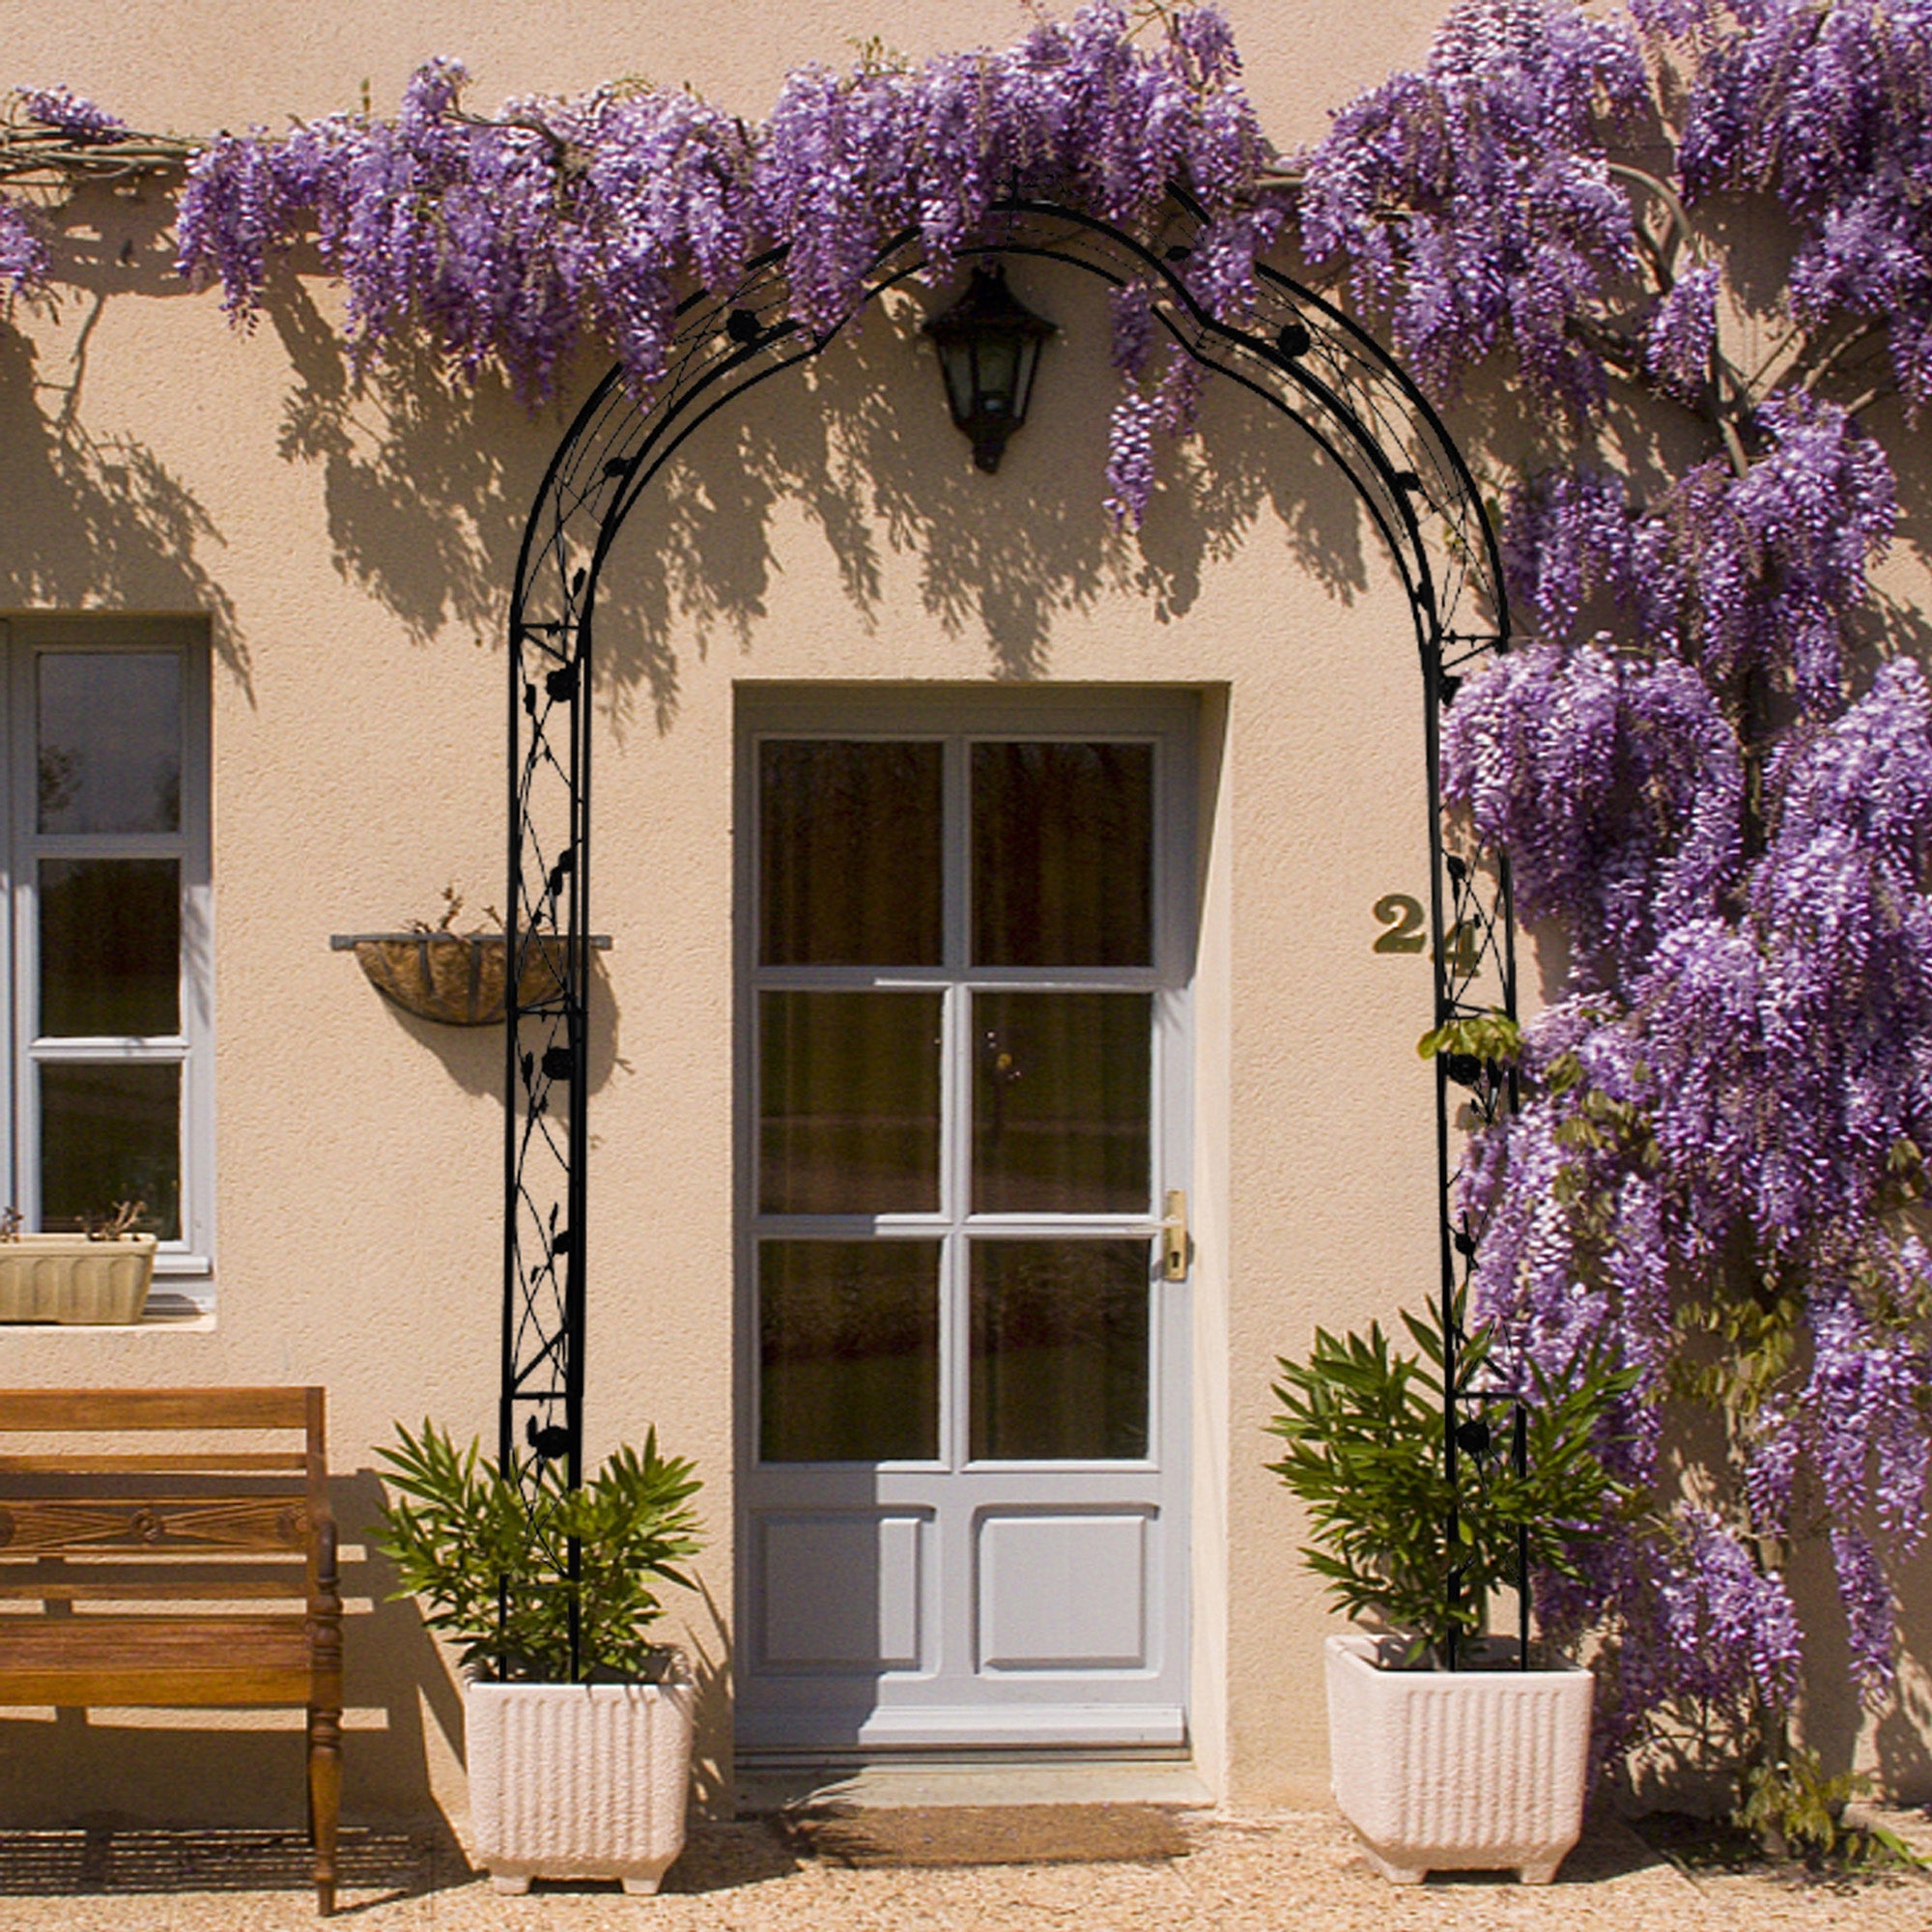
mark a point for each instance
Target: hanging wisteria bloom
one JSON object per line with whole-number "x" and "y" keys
{"x": 513, "y": 238}
{"x": 1511, "y": 225}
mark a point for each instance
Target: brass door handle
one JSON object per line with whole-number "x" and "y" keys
{"x": 1174, "y": 1248}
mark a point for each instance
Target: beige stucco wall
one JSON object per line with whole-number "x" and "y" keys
{"x": 353, "y": 548}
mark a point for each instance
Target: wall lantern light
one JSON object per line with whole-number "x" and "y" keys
{"x": 989, "y": 346}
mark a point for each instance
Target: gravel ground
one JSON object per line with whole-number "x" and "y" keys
{"x": 1279, "y": 1872}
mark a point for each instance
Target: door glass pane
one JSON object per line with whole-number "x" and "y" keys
{"x": 1059, "y": 1351}
{"x": 849, "y": 837}
{"x": 850, "y": 1094}
{"x": 110, "y": 945}
{"x": 109, "y": 741}
{"x": 848, "y": 1351}
{"x": 1062, "y": 855}
{"x": 109, "y": 1132}
{"x": 1060, "y": 1102}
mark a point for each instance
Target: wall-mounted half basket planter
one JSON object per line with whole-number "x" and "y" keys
{"x": 69, "y": 1278}
{"x": 458, "y": 978}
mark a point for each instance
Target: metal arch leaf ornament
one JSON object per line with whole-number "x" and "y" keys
{"x": 1294, "y": 351}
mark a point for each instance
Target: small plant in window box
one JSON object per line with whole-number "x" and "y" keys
{"x": 459, "y": 979}
{"x": 99, "y": 1276}
{"x": 1448, "y": 1752}
{"x": 578, "y": 1721}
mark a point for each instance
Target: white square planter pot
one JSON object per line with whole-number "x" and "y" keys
{"x": 579, "y": 1780}
{"x": 68, "y": 1278}
{"x": 1458, "y": 1770}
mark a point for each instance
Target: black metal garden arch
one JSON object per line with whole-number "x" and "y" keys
{"x": 1295, "y": 351}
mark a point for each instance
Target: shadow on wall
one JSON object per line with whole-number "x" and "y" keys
{"x": 1897, "y": 1751}
{"x": 858, "y": 444}
{"x": 428, "y": 482}
{"x": 93, "y": 517}
{"x": 428, "y": 487}
{"x": 473, "y": 1055}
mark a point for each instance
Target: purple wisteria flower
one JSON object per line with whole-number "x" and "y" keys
{"x": 66, "y": 113}
{"x": 1615, "y": 784}
{"x": 23, "y": 254}
{"x": 1474, "y": 200}
{"x": 1830, "y": 108}
{"x": 1683, "y": 332}
{"x": 513, "y": 238}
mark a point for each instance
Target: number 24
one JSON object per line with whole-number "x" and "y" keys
{"x": 1402, "y": 916}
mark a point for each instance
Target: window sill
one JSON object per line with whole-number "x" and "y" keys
{"x": 176, "y": 1317}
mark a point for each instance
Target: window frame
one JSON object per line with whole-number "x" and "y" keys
{"x": 185, "y": 1264}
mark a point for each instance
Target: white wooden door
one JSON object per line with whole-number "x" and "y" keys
{"x": 963, "y": 1370}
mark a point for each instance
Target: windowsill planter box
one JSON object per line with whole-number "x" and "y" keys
{"x": 69, "y": 1278}
{"x": 1458, "y": 1770}
{"x": 579, "y": 1780}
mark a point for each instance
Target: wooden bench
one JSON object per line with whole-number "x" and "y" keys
{"x": 152, "y": 1567}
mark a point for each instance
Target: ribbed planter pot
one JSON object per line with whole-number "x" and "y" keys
{"x": 68, "y": 1278}
{"x": 1458, "y": 1770}
{"x": 579, "y": 1780}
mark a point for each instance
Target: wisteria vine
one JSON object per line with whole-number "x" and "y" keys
{"x": 1710, "y": 764}
{"x": 507, "y": 241}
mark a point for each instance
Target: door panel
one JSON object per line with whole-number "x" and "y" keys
{"x": 963, "y": 1493}
{"x": 842, "y": 1590}
{"x": 1063, "y": 1592}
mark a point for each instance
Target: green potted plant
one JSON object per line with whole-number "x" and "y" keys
{"x": 579, "y": 1721}
{"x": 1448, "y": 1752}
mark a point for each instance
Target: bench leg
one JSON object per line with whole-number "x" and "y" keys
{"x": 325, "y": 1800}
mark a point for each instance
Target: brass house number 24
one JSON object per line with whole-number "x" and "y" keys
{"x": 1400, "y": 918}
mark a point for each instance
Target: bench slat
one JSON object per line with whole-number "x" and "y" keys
{"x": 154, "y": 1408}
{"x": 112, "y": 1660}
{"x": 159, "y": 1522}
{"x": 139, "y": 1688}
{"x": 114, "y": 1466}
{"x": 137, "y": 1589}
{"x": 76, "y": 1642}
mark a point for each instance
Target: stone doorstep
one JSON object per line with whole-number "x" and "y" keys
{"x": 774, "y": 1787}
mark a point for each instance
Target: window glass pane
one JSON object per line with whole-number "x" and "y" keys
{"x": 848, "y": 1351}
{"x": 110, "y": 945}
{"x": 1060, "y": 1102}
{"x": 849, "y": 838}
{"x": 1062, "y": 855}
{"x": 110, "y": 1132}
{"x": 109, "y": 741}
{"x": 1059, "y": 1351}
{"x": 850, "y": 1122}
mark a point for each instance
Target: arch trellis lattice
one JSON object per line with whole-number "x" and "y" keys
{"x": 1296, "y": 352}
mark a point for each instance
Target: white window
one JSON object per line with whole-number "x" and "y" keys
{"x": 107, "y": 901}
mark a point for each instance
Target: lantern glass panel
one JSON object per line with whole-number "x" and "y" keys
{"x": 956, "y": 360}
{"x": 1029, "y": 359}
{"x": 999, "y": 370}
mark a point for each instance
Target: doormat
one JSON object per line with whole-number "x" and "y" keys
{"x": 988, "y": 1834}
